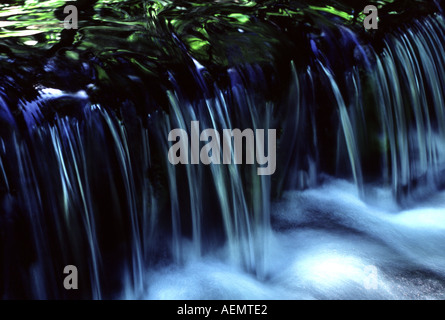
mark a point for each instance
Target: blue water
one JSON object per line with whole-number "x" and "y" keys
{"x": 327, "y": 244}
{"x": 355, "y": 209}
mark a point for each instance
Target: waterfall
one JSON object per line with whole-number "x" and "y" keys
{"x": 84, "y": 174}
{"x": 388, "y": 111}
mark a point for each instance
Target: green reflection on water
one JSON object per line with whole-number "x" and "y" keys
{"x": 199, "y": 25}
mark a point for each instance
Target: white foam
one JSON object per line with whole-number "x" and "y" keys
{"x": 330, "y": 245}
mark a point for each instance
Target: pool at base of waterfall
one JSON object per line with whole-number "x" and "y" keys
{"x": 327, "y": 243}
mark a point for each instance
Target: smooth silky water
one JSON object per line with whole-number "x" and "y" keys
{"x": 355, "y": 210}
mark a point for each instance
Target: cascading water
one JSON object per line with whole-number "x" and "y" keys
{"x": 354, "y": 209}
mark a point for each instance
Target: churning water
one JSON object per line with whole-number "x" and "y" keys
{"x": 355, "y": 209}
{"x": 328, "y": 244}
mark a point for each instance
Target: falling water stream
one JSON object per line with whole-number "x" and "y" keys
{"x": 356, "y": 208}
